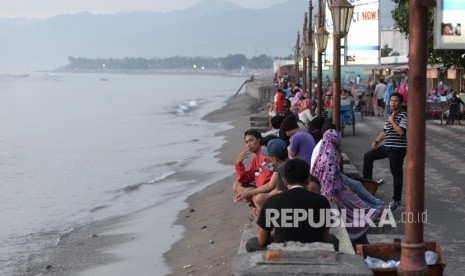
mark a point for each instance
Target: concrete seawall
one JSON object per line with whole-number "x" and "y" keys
{"x": 263, "y": 89}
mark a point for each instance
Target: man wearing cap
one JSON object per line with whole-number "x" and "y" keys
{"x": 256, "y": 174}
{"x": 301, "y": 142}
{"x": 276, "y": 154}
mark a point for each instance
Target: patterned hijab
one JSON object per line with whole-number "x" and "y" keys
{"x": 326, "y": 167}
{"x": 304, "y": 105}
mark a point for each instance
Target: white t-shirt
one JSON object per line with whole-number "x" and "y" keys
{"x": 315, "y": 153}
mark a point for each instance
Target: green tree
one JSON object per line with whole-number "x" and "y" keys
{"x": 262, "y": 61}
{"x": 231, "y": 62}
{"x": 449, "y": 58}
{"x": 234, "y": 61}
{"x": 385, "y": 51}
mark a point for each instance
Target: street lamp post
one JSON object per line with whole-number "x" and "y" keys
{"x": 310, "y": 46}
{"x": 304, "y": 57}
{"x": 341, "y": 11}
{"x": 297, "y": 58}
{"x": 322, "y": 36}
{"x": 307, "y": 49}
{"x": 412, "y": 258}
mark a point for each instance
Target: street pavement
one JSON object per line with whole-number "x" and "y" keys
{"x": 444, "y": 182}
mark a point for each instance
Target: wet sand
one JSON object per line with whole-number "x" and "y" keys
{"x": 214, "y": 228}
{"x": 205, "y": 233}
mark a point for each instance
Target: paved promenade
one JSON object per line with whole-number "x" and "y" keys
{"x": 444, "y": 187}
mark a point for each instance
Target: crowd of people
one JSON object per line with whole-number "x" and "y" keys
{"x": 444, "y": 101}
{"x": 297, "y": 165}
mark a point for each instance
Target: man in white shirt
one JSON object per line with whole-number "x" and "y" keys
{"x": 380, "y": 90}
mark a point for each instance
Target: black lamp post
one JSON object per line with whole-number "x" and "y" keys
{"x": 307, "y": 50}
{"x": 322, "y": 36}
{"x": 341, "y": 11}
{"x": 310, "y": 47}
{"x": 304, "y": 57}
{"x": 297, "y": 58}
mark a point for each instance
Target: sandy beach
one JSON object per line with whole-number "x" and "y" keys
{"x": 213, "y": 221}
{"x": 203, "y": 236}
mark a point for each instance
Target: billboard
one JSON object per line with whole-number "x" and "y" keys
{"x": 362, "y": 44}
{"x": 448, "y": 23}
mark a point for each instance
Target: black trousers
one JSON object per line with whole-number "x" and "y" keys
{"x": 396, "y": 163}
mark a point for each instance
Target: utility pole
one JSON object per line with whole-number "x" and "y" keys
{"x": 304, "y": 68}
{"x": 296, "y": 58}
{"x": 412, "y": 261}
{"x": 310, "y": 41}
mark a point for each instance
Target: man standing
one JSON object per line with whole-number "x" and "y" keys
{"x": 380, "y": 89}
{"x": 395, "y": 147}
{"x": 368, "y": 110}
{"x": 256, "y": 174}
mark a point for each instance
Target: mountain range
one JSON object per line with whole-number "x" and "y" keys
{"x": 210, "y": 28}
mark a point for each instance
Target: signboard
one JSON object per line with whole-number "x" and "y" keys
{"x": 363, "y": 40}
{"x": 448, "y": 24}
{"x": 432, "y": 73}
{"x": 451, "y": 74}
{"x": 367, "y": 71}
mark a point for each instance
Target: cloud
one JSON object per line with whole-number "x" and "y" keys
{"x": 48, "y": 8}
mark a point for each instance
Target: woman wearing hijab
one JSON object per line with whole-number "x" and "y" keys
{"x": 327, "y": 170}
{"x": 305, "y": 111}
{"x": 296, "y": 99}
{"x": 387, "y": 97}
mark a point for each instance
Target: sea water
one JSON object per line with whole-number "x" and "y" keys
{"x": 78, "y": 148}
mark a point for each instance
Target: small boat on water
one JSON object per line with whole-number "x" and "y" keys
{"x": 103, "y": 79}
{"x": 19, "y": 75}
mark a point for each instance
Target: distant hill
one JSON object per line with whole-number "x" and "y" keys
{"x": 210, "y": 28}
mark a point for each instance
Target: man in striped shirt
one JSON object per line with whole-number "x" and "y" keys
{"x": 394, "y": 148}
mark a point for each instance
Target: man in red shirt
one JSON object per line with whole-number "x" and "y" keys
{"x": 258, "y": 173}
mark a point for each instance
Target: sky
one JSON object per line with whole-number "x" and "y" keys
{"x": 48, "y": 8}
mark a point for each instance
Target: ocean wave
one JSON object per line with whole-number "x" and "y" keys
{"x": 186, "y": 107}
{"x": 137, "y": 186}
{"x": 98, "y": 208}
{"x": 31, "y": 249}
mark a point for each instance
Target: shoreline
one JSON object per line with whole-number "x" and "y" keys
{"x": 131, "y": 244}
{"x": 214, "y": 229}
{"x": 199, "y": 72}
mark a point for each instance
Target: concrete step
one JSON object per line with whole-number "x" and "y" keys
{"x": 258, "y": 118}
{"x": 345, "y": 158}
{"x": 259, "y": 124}
{"x": 350, "y": 170}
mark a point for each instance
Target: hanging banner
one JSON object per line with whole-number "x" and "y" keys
{"x": 363, "y": 40}
{"x": 448, "y": 24}
{"x": 367, "y": 71}
{"x": 451, "y": 74}
{"x": 432, "y": 74}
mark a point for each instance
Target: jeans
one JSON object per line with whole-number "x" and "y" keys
{"x": 396, "y": 163}
{"x": 362, "y": 193}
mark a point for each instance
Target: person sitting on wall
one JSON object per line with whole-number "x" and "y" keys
{"x": 276, "y": 155}
{"x": 301, "y": 143}
{"x": 257, "y": 174}
{"x": 297, "y": 197}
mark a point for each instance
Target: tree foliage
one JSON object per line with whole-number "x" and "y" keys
{"x": 234, "y": 61}
{"x": 449, "y": 58}
{"x": 388, "y": 51}
{"x": 230, "y": 62}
